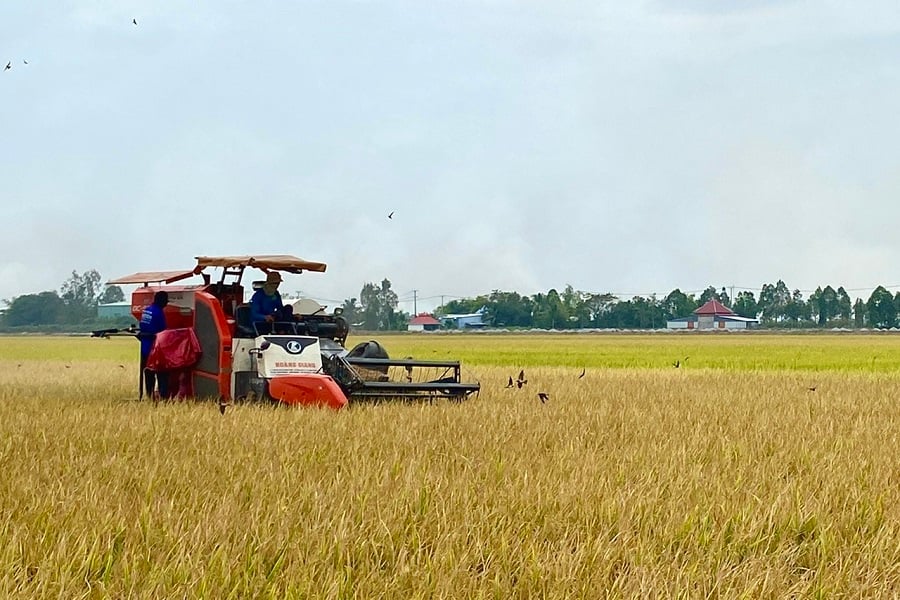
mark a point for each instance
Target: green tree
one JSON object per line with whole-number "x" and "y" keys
{"x": 379, "y": 304}
{"x": 549, "y": 311}
{"x": 574, "y": 304}
{"x": 678, "y": 304}
{"x": 351, "y": 310}
{"x": 80, "y": 294}
{"x": 648, "y": 312}
{"x": 745, "y": 305}
{"x": 559, "y": 317}
{"x": 46, "y": 308}
{"x": 773, "y": 301}
{"x": 599, "y": 306}
{"x": 508, "y": 309}
{"x": 540, "y": 316}
{"x": 824, "y": 304}
{"x": 796, "y": 310}
{"x": 462, "y": 306}
{"x": 845, "y": 307}
{"x": 880, "y": 308}
{"x": 399, "y": 320}
{"x": 859, "y": 313}
{"x": 711, "y": 293}
{"x": 815, "y": 308}
{"x": 707, "y": 295}
{"x": 112, "y": 293}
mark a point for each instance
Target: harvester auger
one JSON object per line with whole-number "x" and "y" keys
{"x": 303, "y": 361}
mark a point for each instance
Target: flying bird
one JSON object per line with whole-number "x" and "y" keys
{"x": 8, "y": 66}
{"x": 391, "y": 216}
{"x": 25, "y": 61}
{"x": 521, "y": 380}
{"x": 678, "y": 363}
{"x": 134, "y": 21}
{"x": 510, "y": 384}
{"x": 583, "y": 371}
{"x": 813, "y": 388}
{"x": 544, "y": 396}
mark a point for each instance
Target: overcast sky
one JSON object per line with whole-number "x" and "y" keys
{"x": 629, "y": 147}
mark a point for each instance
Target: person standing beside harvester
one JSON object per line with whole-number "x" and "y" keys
{"x": 153, "y": 320}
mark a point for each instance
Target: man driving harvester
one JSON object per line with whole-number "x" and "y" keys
{"x": 266, "y": 305}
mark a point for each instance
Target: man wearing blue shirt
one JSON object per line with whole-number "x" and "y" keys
{"x": 266, "y": 305}
{"x": 153, "y": 320}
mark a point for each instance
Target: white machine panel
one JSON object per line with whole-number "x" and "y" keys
{"x": 288, "y": 354}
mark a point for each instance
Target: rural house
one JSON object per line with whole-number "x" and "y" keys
{"x": 713, "y": 315}
{"x": 473, "y": 320}
{"x": 423, "y": 322}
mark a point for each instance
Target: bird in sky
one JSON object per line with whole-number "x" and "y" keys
{"x": 544, "y": 396}
{"x": 25, "y": 61}
{"x": 510, "y": 384}
{"x": 134, "y": 21}
{"x": 391, "y": 216}
{"x": 8, "y": 66}
{"x": 583, "y": 371}
{"x": 521, "y": 380}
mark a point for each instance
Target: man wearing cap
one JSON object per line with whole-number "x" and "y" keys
{"x": 266, "y": 304}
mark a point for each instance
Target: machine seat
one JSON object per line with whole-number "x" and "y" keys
{"x": 244, "y": 326}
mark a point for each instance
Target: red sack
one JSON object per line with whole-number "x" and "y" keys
{"x": 174, "y": 349}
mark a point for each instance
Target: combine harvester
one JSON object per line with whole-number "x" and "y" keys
{"x": 300, "y": 362}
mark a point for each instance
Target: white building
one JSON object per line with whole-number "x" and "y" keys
{"x": 473, "y": 320}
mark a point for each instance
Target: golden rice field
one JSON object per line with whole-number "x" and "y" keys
{"x": 725, "y": 478}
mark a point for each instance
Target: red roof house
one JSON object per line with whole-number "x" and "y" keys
{"x": 423, "y": 322}
{"x": 713, "y": 315}
{"x": 713, "y": 307}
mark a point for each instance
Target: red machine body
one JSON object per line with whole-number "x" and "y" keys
{"x": 312, "y": 389}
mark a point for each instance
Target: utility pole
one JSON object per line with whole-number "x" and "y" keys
{"x": 415, "y": 305}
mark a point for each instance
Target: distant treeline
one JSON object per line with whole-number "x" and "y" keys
{"x": 74, "y": 308}
{"x": 776, "y": 307}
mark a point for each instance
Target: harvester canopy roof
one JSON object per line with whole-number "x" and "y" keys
{"x": 269, "y": 262}
{"x": 152, "y": 277}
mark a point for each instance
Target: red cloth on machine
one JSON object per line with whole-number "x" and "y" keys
{"x": 174, "y": 349}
